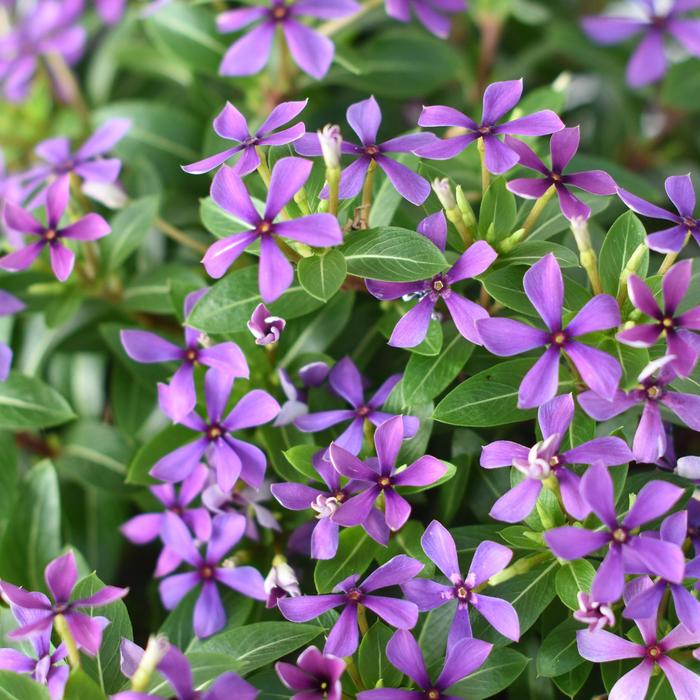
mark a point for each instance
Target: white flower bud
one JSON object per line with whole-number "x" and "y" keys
{"x": 331, "y": 141}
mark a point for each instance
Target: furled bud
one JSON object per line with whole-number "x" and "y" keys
{"x": 331, "y": 141}
{"x": 444, "y": 193}
{"x": 281, "y": 582}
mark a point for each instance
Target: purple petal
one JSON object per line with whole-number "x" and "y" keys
{"x": 611, "y": 30}
{"x": 544, "y": 286}
{"x": 463, "y": 658}
{"x": 505, "y": 337}
{"x": 662, "y": 558}
{"x": 610, "y": 451}
{"x": 143, "y": 346}
{"x": 601, "y": 409}
{"x": 249, "y": 54}
{"x": 105, "y": 596}
{"x": 594, "y": 181}
{"x": 398, "y": 613}
{"x": 324, "y": 539}
{"x": 343, "y": 638}
{"x": 307, "y": 607}
{"x": 515, "y": 505}
{"x": 501, "y": 453}
{"x": 643, "y": 336}
{"x": 489, "y": 559}
{"x": 609, "y": 581}
{"x": 645, "y": 605}
{"x": 355, "y": 510}
{"x": 315, "y": 422}
{"x": 498, "y": 157}
{"x": 424, "y": 471}
{"x": 528, "y": 158}
{"x": 180, "y": 463}
{"x": 392, "y": 290}
{"x": 597, "y": 488}
{"x": 500, "y": 614}
{"x": 427, "y": 594}
{"x": 387, "y": 440}
{"x": 641, "y": 206}
{"x": 12, "y": 660}
{"x": 176, "y": 535}
{"x": 408, "y": 184}
{"x": 87, "y": 631}
{"x": 446, "y": 149}
{"x": 89, "y": 228}
{"x": 675, "y": 285}
{"x": 227, "y": 530}
{"x": 536, "y": 124}
{"x": 685, "y": 406}
{"x": 275, "y": 273}
{"x": 57, "y": 196}
{"x": 541, "y": 382}
{"x": 61, "y": 575}
{"x": 110, "y": 133}
{"x": 555, "y": 416}
{"x": 642, "y": 298}
{"x": 599, "y": 314}
{"x": 346, "y": 381}
{"x": 364, "y": 118}
{"x": 574, "y": 542}
{"x": 20, "y": 220}
{"x": 255, "y": 408}
{"x": 229, "y": 192}
{"x": 295, "y": 496}
{"x": 473, "y": 262}
{"x": 209, "y": 614}
{"x": 211, "y": 162}
{"x": 222, "y": 254}
{"x": 353, "y": 177}
{"x": 684, "y": 682}
{"x": 563, "y": 147}
{"x": 282, "y": 114}
{"x": 244, "y": 579}
{"x": 62, "y": 260}
{"x": 439, "y": 546}
{"x": 499, "y": 99}
{"x": 231, "y": 124}
{"x": 312, "y": 51}
{"x": 598, "y": 369}
{"x": 445, "y": 116}
{"x": 142, "y": 528}
{"x": 466, "y": 314}
{"x": 317, "y": 230}
{"x": 404, "y": 653}
{"x": 654, "y": 499}
{"x": 397, "y": 571}
{"x": 648, "y": 62}
{"x": 650, "y": 439}
{"x": 434, "y": 228}
{"x": 22, "y": 258}
{"x": 397, "y": 510}
{"x": 529, "y": 188}
{"x": 288, "y": 176}
{"x": 413, "y": 325}
{"x": 408, "y": 143}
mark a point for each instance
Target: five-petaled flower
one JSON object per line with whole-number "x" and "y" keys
{"x": 316, "y": 676}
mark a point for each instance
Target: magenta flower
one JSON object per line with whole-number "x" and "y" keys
{"x": 681, "y": 343}
{"x": 316, "y": 676}
{"x": 563, "y": 146}
{"x": 432, "y": 14}
{"x": 265, "y": 327}
{"x": 544, "y": 286}
{"x": 365, "y": 118}
{"x": 9, "y": 305}
{"x": 230, "y": 457}
{"x": 650, "y": 440}
{"x": 311, "y": 51}
{"x": 275, "y": 271}
{"x": 89, "y": 228}
{"x": 232, "y": 125}
{"x": 347, "y": 382}
{"x": 209, "y": 614}
{"x": 546, "y": 459}
{"x": 499, "y": 99}
{"x": 413, "y": 326}
{"x": 595, "y": 615}
{"x": 625, "y": 549}
{"x": 489, "y": 559}
{"x": 648, "y": 62}
{"x": 61, "y": 576}
{"x": 343, "y": 637}
{"x": 679, "y": 189}
{"x": 404, "y": 654}
{"x": 181, "y": 395}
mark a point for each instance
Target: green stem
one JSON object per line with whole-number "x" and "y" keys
{"x": 367, "y": 191}
{"x": 362, "y": 620}
{"x": 354, "y": 673}
{"x": 536, "y": 211}
{"x": 485, "y": 174}
{"x": 522, "y": 566}
{"x": 263, "y": 169}
{"x": 70, "y": 87}
{"x": 333, "y": 180}
{"x": 178, "y": 235}
{"x": 66, "y": 636}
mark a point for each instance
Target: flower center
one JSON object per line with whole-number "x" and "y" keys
{"x": 667, "y": 323}
{"x": 484, "y": 130}
{"x": 206, "y": 572}
{"x": 191, "y": 356}
{"x": 439, "y": 286}
{"x": 323, "y": 687}
{"x": 620, "y": 535}
{"x": 559, "y": 338}
{"x": 653, "y": 392}
{"x": 363, "y": 411}
{"x": 279, "y": 12}
{"x": 554, "y": 461}
{"x": 371, "y": 151}
{"x": 432, "y": 694}
{"x": 265, "y": 227}
{"x": 384, "y": 482}
{"x": 325, "y": 506}
{"x": 214, "y": 432}
{"x": 556, "y": 177}
{"x": 462, "y": 592}
{"x": 689, "y": 222}
{"x": 654, "y": 651}
{"x": 50, "y": 235}
{"x": 354, "y": 594}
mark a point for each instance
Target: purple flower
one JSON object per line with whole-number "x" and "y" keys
{"x": 563, "y": 146}
{"x": 625, "y": 549}
{"x": 230, "y": 457}
{"x": 679, "y": 189}
{"x": 275, "y": 272}
{"x": 209, "y": 614}
{"x": 595, "y": 615}
{"x": 546, "y": 460}
{"x": 265, "y": 327}
{"x": 311, "y": 51}
{"x": 61, "y": 576}
{"x": 381, "y": 477}
{"x": 648, "y": 62}
{"x": 316, "y": 676}
{"x": 499, "y": 99}
{"x": 544, "y": 286}
{"x": 413, "y": 326}
{"x": 89, "y": 228}
{"x": 430, "y": 13}
{"x": 232, "y": 125}
{"x": 111, "y": 11}
{"x": 489, "y": 559}
{"x": 280, "y": 582}
{"x": 181, "y": 395}
{"x": 343, "y": 637}
{"x": 347, "y": 382}
{"x": 650, "y": 440}
{"x": 365, "y": 118}
{"x": 404, "y": 653}
{"x": 9, "y": 305}
{"x": 681, "y": 343}
{"x": 311, "y": 375}
{"x": 693, "y": 509}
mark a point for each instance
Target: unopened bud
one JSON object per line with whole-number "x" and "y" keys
{"x": 331, "y": 141}
{"x": 507, "y": 244}
{"x": 444, "y": 193}
{"x": 579, "y": 227}
{"x": 465, "y": 208}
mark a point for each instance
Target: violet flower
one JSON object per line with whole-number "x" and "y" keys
{"x": 489, "y": 559}
{"x": 343, "y": 638}
{"x": 432, "y": 14}
{"x": 209, "y": 614}
{"x": 61, "y": 575}
{"x": 595, "y": 615}
{"x": 648, "y": 62}
{"x": 9, "y": 305}
{"x": 230, "y": 457}
{"x": 381, "y": 477}
{"x": 365, "y": 118}
{"x": 110, "y": 11}
{"x": 232, "y": 125}
{"x": 280, "y": 582}
{"x": 265, "y": 327}
{"x": 311, "y": 50}
{"x": 89, "y": 228}
{"x": 679, "y": 189}
{"x": 404, "y": 654}
{"x": 347, "y": 382}
{"x": 680, "y": 342}
{"x": 413, "y": 326}
{"x": 545, "y": 460}
{"x": 181, "y": 394}
{"x": 312, "y": 375}
{"x": 275, "y": 272}
{"x": 625, "y": 549}
{"x": 544, "y": 286}
{"x": 650, "y": 440}
{"x": 563, "y": 146}
{"x": 499, "y": 99}
{"x": 316, "y": 676}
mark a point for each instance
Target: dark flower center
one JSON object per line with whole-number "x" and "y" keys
{"x": 432, "y": 694}
{"x": 177, "y": 510}
{"x": 363, "y": 411}
{"x": 371, "y": 151}
{"x": 191, "y": 356}
{"x": 659, "y": 21}
{"x": 620, "y": 535}
{"x": 250, "y": 141}
{"x": 689, "y": 222}
{"x": 50, "y": 235}
{"x": 339, "y": 496}
{"x": 654, "y": 392}
{"x": 214, "y": 432}
{"x": 279, "y": 13}
{"x": 384, "y": 482}
{"x": 556, "y": 177}
{"x": 60, "y": 608}
{"x": 323, "y": 687}
{"x": 354, "y": 594}
{"x": 484, "y": 130}
{"x": 264, "y": 227}
{"x": 462, "y": 592}
{"x": 206, "y": 572}
{"x": 667, "y": 322}
{"x": 654, "y": 651}
{"x": 439, "y": 286}
{"x": 559, "y": 338}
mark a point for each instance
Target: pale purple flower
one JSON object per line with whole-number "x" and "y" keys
{"x": 275, "y": 272}
{"x": 312, "y": 375}
{"x": 311, "y": 50}
{"x": 653, "y": 19}
{"x": 230, "y": 457}
{"x": 61, "y": 576}
{"x": 343, "y": 638}
{"x": 563, "y": 146}
{"x": 547, "y": 460}
{"x": 209, "y": 571}
{"x": 413, "y": 326}
{"x": 9, "y": 305}
{"x": 626, "y": 550}
{"x": 650, "y": 440}
{"x": 280, "y": 582}
{"x": 365, "y": 118}
{"x": 131, "y": 655}
{"x": 595, "y": 615}
{"x": 230, "y": 124}
{"x": 181, "y": 395}
{"x": 265, "y": 327}
{"x": 404, "y": 654}
{"x": 499, "y": 99}
{"x": 347, "y": 382}
{"x": 316, "y": 676}
{"x": 110, "y": 11}
{"x": 544, "y": 286}
{"x": 681, "y": 343}
{"x": 489, "y": 559}
{"x": 89, "y": 228}
{"x": 680, "y": 191}
{"x": 432, "y": 14}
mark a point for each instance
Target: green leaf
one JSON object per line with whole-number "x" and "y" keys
{"x": 498, "y": 209}
{"x": 571, "y": 682}
{"x": 469, "y": 537}
{"x": 499, "y": 671}
{"x": 372, "y": 661}
{"x": 392, "y": 254}
{"x": 530, "y": 252}
{"x": 681, "y": 86}
{"x": 158, "y": 446}
{"x": 129, "y": 228}
{"x": 574, "y": 576}
{"x": 16, "y": 686}
{"x": 81, "y": 686}
{"x": 623, "y": 238}
{"x": 322, "y": 275}
{"x": 8, "y": 476}
{"x": 26, "y": 403}
{"x": 300, "y": 457}
{"x": 558, "y": 652}
{"x": 356, "y": 550}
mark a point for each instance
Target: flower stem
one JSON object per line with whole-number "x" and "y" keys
{"x": 333, "y": 180}
{"x": 522, "y": 566}
{"x": 155, "y": 650}
{"x": 61, "y": 625}
{"x": 367, "y": 191}
{"x": 362, "y": 620}
{"x": 263, "y": 169}
{"x": 536, "y": 211}
{"x": 588, "y": 256}
{"x": 354, "y": 673}
{"x": 671, "y": 258}
{"x": 177, "y": 235}
{"x": 485, "y": 174}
